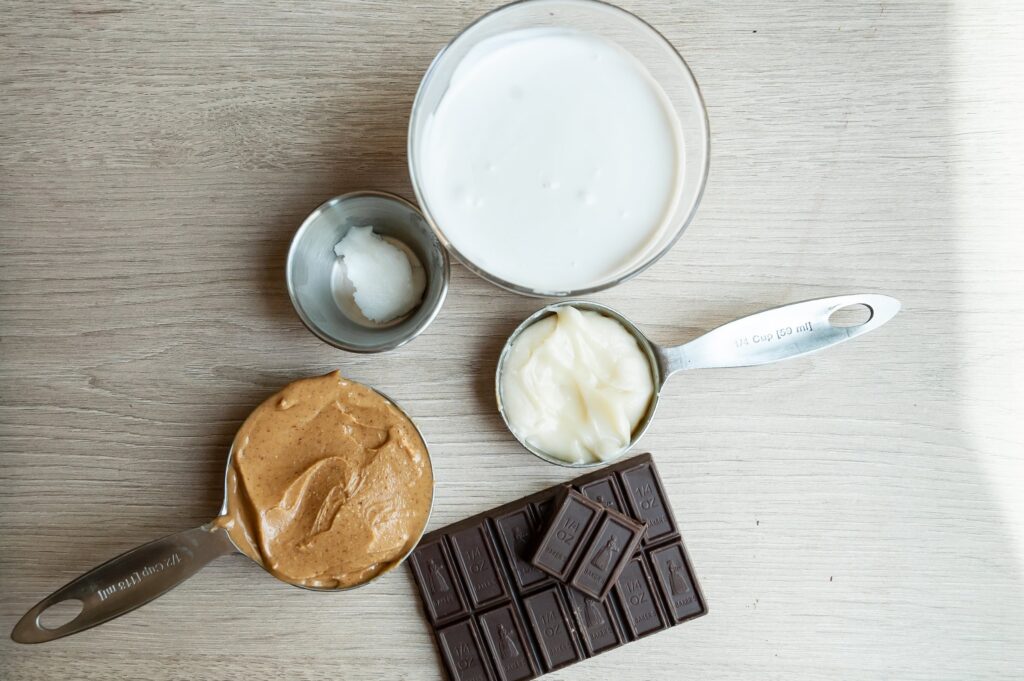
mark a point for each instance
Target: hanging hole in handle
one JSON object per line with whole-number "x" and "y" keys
{"x": 851, "y": 315}
{"x": 59, "y": 614}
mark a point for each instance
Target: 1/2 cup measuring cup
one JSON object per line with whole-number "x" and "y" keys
{"x": 780, "y": 333}
{"x": 138, "y": 576}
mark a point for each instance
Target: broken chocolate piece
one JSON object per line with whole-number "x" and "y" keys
{"x": 571, "y": 524}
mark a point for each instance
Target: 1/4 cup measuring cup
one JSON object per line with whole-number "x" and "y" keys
{"x": 138, "y": 576}
{"x": 781, "y": 333}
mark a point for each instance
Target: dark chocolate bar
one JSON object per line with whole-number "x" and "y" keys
{"x": 496, "y": 617}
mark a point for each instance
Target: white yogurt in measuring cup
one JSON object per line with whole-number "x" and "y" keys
{"x": 553, "y": 161}
{"x": 575, "y": 385}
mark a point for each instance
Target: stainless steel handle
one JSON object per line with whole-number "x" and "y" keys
{"x": 124, "y": 583}
{"x": 780, "y": 333}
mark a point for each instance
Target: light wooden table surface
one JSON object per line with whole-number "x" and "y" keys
{"x": 857, "y": 514}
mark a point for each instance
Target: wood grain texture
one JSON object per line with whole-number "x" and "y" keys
{"x": 856, "y": 514}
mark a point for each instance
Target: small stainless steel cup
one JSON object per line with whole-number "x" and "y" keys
{"x": 311, "y": 260}
{"x": 770, "y": 336}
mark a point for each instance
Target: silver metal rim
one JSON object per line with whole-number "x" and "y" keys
{"x": 649, "y": 348}
{"x": 515, "y": 288}
{"x": 330, "y": 340}
{"x": 423, "y": 530}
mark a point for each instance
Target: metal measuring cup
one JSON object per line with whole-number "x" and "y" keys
{"x": 773, "y": 335}
{"x": 136, "y": 577}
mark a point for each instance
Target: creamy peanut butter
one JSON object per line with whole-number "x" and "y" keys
{"x": 329, "y": 484}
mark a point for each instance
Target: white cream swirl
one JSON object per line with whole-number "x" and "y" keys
{"x": 575, "y": 385}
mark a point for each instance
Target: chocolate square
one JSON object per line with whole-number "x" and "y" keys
{"x": 596, "y": 621}
{"x": 507, "y": 643}
{"x": 646, "y": 498}
{"x": 552, "y": 628}
{"x": 478, "y": 564}
{"x": 543, "y": 509}
{"x": 517, "y": 535}
{"x": 463, "y": 653}
{"x": 605, "y": 491}
{"x": 640, "y": 607}
{"x": 679, "y": 592}
{"x": 438, "y": 583}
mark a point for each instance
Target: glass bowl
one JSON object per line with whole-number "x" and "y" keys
{"x": 615, "y": 25}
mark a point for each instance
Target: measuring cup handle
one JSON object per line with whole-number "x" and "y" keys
{"x": 124, "y": 583}
{"x": 780, "y": 333}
